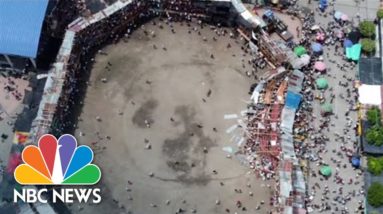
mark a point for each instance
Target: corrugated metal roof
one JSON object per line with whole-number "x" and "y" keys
{"x": 285, "y": 186}
{"x": 299, "y": 182}
{"x": 287, "y": 119}
{"x": 238, "y": 5}
{"x": 287, "y": 146}
{"x": 20, "y": 26}
{"x": 287, "y": 210}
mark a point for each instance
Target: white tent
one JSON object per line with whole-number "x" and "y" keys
{"x": 370, "y": 94}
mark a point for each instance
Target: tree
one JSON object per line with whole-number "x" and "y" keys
{"x": 379, "y": 14}
{"x": 374, "y": 135}
{"x": 375, "y": 165}
{"x": 375, "y": 194}
{"x": 371, "y": 135}
{"x": 367, "y": 28}
{"x": 368, "y": 45}
{"x": 373, "y": 116}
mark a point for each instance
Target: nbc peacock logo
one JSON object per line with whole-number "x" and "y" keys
{"x": 57, "y": 162}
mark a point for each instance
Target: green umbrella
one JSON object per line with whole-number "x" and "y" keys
{"x": 299, "y": 50}
{"x": 327, "y": 108}
{"x": 326, "y": 170}
{"x": 321, "y": 83}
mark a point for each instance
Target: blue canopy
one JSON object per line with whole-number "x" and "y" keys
{"x": 323, "y": 4}
{"x": 20, "y": 26}
{"x": 355, "y": 161}
{"x": 347, "y": 43}
{"x": 316, "y": 47}
{"x": 293, "y": 100}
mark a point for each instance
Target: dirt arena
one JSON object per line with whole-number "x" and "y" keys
{"x": 182, "y": 93}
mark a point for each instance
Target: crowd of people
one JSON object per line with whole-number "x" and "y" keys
{"x": 332, "y": 137}
{"x": 327, "y": 145}
{"x": 11, "y": 94}
{"x": 110, "y": 30}
{"x": 87, "y": 42}
{"x": 61, "y": 15}
{"x": 12, "y": 88}
{"x": 113, "y": 28}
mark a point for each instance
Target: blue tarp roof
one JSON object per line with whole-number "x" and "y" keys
{"x": 20, "y": 26}
{"x": 293, "y": 100}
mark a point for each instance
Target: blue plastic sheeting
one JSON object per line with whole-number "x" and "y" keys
{"x": 20, "y": 26}
{"x": 323, "y": 3}
{"x": 293, "y": 100}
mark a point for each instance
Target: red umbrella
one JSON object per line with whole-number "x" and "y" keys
{"x": 320, "y": 66}
{"x": 14, "y": 161}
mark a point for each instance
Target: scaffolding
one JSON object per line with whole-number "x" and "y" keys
{"x": 263, "y": 131}
{"x": 272, "y": 50}
{"x": 270, "y": 136}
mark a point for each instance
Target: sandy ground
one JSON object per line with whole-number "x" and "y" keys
{"x": 8, "y": 102}
{"x": 156, "y": 85}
